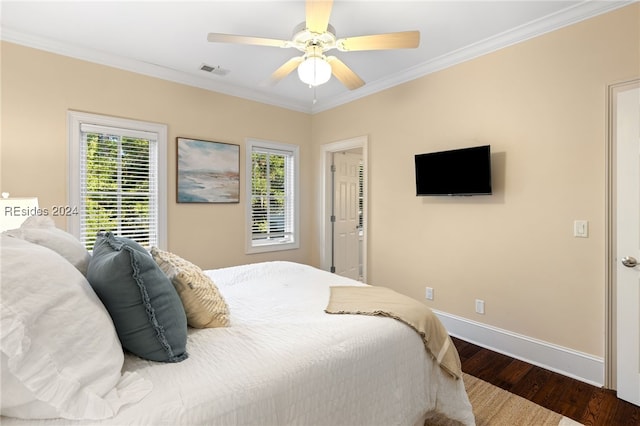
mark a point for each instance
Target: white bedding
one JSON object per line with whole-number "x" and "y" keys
{"x": 284, "y": 361}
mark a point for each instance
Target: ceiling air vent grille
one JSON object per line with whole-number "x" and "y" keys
{"x": 217, "y": 70}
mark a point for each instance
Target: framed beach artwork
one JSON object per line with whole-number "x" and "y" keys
{"x": 208, "y": 172}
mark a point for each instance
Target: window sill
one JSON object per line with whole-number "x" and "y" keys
{"x": 271, "y": 247}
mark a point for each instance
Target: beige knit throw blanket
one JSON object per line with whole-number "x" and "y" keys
{"x": 382, "y": 301}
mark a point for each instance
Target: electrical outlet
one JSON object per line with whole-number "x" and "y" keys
{"x": 428, "y": 293}
{"x": 479, "y": 306}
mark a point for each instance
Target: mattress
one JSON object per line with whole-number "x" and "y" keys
{"x": 284, "y": 361}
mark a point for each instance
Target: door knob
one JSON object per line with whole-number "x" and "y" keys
{"x": 629, "y": 262}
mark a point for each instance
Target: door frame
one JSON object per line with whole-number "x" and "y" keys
{"x": 327, "y": 151}
{"x": 610, "y": 355}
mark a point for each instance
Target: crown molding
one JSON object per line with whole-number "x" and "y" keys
{"x": 572, "y": 15}
{"x": 579, "y": 12}
{"x": 146, "y": 68}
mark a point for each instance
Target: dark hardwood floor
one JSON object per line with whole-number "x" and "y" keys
{"x": 572, "y": 398}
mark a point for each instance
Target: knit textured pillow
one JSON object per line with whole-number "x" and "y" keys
{"x": 204, "y": 305}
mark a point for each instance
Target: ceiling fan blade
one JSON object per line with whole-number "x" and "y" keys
{"x": 258, "y": 41}
{"x": 401, "y": 40}
{"x": 285, "y": 69}
{"x": 317, "y": 15}
{"x": 344, "y": 74}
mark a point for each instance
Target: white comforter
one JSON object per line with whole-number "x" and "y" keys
{"x": 284, "y": 361}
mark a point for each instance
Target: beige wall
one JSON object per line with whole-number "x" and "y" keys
{"x": 39, "y": 88}
{"x": 541, "y": 105}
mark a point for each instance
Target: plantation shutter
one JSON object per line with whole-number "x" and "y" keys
{"x": 118, "y": 184}
{"x": 272, "y": 196}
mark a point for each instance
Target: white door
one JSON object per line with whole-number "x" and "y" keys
{"x": 626, "y": 123}
{"x": 346, "y": 208}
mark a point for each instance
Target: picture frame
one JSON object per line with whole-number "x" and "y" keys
{"x": 207, "y": 171}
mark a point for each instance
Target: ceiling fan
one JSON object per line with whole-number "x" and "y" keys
{"x": 314, "y": 37}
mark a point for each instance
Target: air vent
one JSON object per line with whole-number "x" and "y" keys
{"x": 217, "y": 70}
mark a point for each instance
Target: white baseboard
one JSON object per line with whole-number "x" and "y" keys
{"x": 565, "y": 361}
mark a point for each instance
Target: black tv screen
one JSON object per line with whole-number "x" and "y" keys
{"x": 465, "y": 171}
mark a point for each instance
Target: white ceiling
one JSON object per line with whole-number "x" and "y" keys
{"x": 168, "y": 39}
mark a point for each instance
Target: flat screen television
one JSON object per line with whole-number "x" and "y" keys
{"x": 465, "y": 171}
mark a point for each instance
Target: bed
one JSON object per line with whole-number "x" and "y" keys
{"x": 281, "y": 361}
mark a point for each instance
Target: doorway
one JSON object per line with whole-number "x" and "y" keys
{"x": 623, "y": 287}
{"x": 344, "y": 204}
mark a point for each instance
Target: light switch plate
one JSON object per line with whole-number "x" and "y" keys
{"x": 581, "y": 228}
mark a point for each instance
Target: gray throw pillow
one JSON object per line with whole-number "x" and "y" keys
{"x": 144, "y": 306}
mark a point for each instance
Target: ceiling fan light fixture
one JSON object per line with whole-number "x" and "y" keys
{"x": 314, "y": 71}
{"x": 314, "y": 37}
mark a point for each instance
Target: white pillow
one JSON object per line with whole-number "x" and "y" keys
{"x": 60, "y": 353}
{"x": 42, "y": 230}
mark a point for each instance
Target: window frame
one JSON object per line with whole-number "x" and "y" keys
{"x": 276, "y": 147}
{"x": 75, "y": 120}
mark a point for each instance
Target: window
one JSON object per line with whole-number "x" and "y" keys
{"x": 272, "y": 192}
{"x": 117, "y": 178}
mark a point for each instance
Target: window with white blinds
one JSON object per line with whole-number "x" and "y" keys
{"x": 272, "y": 205}
{"x": 119, "y": 179}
